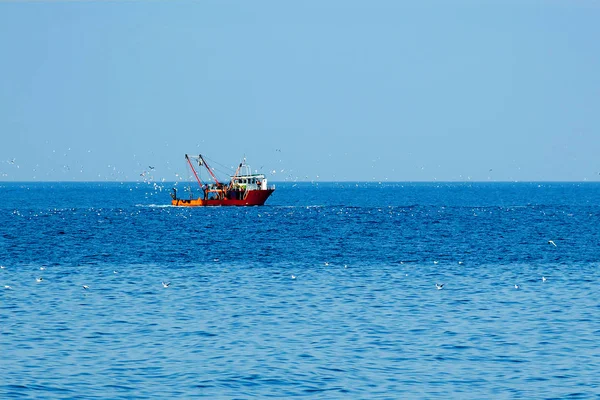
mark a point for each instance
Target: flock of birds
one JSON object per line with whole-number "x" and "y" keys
{"x": 438, "y": 286}
{"x": 85, "y": 287}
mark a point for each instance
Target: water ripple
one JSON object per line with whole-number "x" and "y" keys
{"x": 360, "y": 318}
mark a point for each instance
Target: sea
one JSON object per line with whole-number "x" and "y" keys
{"x": 331, "y": 290}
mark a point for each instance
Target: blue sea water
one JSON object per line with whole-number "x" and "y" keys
{"x": 327, "y": 291}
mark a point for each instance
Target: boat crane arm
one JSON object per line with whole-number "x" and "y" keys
{"x": 237, "y": 171}
{"x": 193, "y": 170}
{"x": 230, "y": 185}
{"x": 208, "y": 169}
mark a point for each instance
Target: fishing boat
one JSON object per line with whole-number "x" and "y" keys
{"x": 244, "y": 187}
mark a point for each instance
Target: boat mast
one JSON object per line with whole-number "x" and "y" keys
{"x": 194, "y": 171}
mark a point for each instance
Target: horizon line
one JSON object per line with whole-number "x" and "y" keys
{"x": 315, "y": 181}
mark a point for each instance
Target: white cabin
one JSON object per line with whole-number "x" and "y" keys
{"x": 249, "y": 182}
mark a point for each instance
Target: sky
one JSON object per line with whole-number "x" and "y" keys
{"x": 335, "y": 90}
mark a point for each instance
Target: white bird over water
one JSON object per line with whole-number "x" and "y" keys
{"x": 38, "y": 280}
{"x": 439, "y": 286}
{"x": 326, "y": 264}
{"x": 544, "y": 279}
{"x": 293, "y": 276}
{"x": 7, "y": 287}
{"x": 552, "y": 243}
{"x": 42, "y": 268}
{"x": 86, "y": 287}
{"x": 166, "y": 284}
{"x": 517, "y": 286}
{"x": 435, "y": 262}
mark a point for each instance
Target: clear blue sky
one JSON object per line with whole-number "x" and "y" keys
{"x": 347, "y": 90}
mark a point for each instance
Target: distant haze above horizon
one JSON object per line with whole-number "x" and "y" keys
{"x": 306, "y": 91}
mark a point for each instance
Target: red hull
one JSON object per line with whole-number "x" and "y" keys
{"x": 253, "y": 198}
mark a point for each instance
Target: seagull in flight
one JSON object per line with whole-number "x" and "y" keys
{"x": 7, "y": 287}
{"x": 293, "y": 276}
{"x": 552, "y": 243}
{"x": 326, "y": 264}
{"x": 544, "y": 279}
{"x": 439, "y": 286}
{"x": 517, "y": 286}
{"x": 86, "y": 287}
{"x": 38, "y": 280}
{"x": 166, "y": 284}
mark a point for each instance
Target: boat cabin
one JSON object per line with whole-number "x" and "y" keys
{"x": 249, "y": 182}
